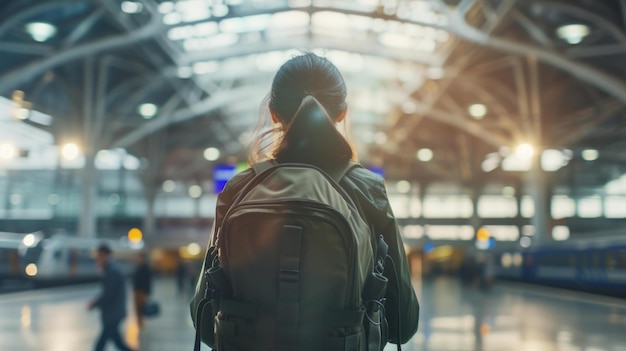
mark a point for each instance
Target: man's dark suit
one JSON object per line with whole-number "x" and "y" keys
{"x": 112, "y": 305}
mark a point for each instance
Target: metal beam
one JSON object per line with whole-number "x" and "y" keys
{"x": 28, "y": 49}
{"x": 83, "y": 27}
{"x": 600, "y": 21}
{"x": 532, "y": 29}
{"x": 593, "y": 76}
{"x": 201, "y": 108}
{"x": 31, "y": 11}
{"x": 596, "y": 50}
{"x": 306, "y": 42}
{"x": 470, "y": 127}
{"x": 10, "y": 80}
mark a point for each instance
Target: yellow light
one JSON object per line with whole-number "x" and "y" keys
{"x": 31, "y": 270}
{"x": 194, "y": 249}
{"x": 483, "y": 234}
{"x": 135, "y": 235}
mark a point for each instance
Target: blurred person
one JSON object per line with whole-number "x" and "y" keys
{"x": 182, "y": 273}
{"x": 304, "y": 83}
{"x": 112, "y": 300}
{"x": 142, "y": 287}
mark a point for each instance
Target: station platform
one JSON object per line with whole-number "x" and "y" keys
{"x": 510, "y": 316}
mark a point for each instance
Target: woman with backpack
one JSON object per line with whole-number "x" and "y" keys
{"x": 306, "y": 107}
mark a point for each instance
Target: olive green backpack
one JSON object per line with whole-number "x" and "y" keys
{"x": 294, "y": 267}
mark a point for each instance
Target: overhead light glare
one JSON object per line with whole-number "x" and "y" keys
{"x": 205, "y": 67}
{"x": 132, "y": 7}
{"x": 552, "y": 160}
{"x": 403, "y": 186}
{"x": 525, "y": 151}
{"x": 7, "y": 151}
{"x": 54, "y": 199}
{"x": 70, "y": 151}
{"x": 478, "y": 111}
{"x": 147, "y": 110}
{"x": 425, "y": 154}
{"x": 573, "y": 33}
{"x": 169, "y": 186}
{"x": 185, "y": 72}
{"x": 166, "y": 7}
{"x": 211, "y": 154}
{"x": 590, "y": 154}
{"x": 41, "y": 31}
{"x": 195, "y": 191}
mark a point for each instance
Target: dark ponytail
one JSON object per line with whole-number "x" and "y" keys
{"x": 307, "y": 100}
{"x": 312, "y": 137}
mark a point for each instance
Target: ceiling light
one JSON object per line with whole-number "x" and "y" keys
{"x": 508, "y": 191}
{"x": 131, "y": 162}
{"x": 552, "y": 160}
{"x": 195, "y": 191}
{"x": 435, "y": 73}
{"x": 185, "y": 72}
{"x": 166, "y": 7}
{"x": 147, "y": 111}
{"x": 525, "y": 151}
{"x": 573, "y": 33}
{"x": 54, "y": 199}
{"x": 7, "y": 151}
{"x": 206, "y": 67}
{"x": 70, "y": 151}
{"x": 41, "y": 31}
{"x": 403, "y": 186}
{"x": 132, "y": 7}
{"x": 477, "y": 111}
{"x": 590, "y": 154}
{"x": 169, "y": 186}
{"x": 15, "y": 199}
{"x": 424, "y": 155}
{"x": 211, "y": 154}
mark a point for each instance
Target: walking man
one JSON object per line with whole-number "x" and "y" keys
{"x": 112, "y": 300}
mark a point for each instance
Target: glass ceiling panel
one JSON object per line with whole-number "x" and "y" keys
{"x": 200, "y": 25}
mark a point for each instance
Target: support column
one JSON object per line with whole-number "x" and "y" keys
{"x": 149, "y": 220}
{"x": 540, "y": 192}
{"x": 89, "y": 176}
{"x": 87, "y": 214}
{"x": 7, "y": 200}
{"x": 475, "y": 221}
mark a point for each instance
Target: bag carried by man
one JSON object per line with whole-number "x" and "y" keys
{"x": 294, "y": 267}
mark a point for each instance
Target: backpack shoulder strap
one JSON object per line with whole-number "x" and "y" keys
{"x": 259, "y": 167}
{"x": 339, "y": 173}
{"x": 336, "y": 174}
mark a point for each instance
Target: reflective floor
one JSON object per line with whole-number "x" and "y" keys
{"x": 509, "y": 317}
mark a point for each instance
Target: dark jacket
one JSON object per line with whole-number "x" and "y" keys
{"x": 112, "y": 300}
{"x": 368, "y": 190}
{"x": 142, "y": 279}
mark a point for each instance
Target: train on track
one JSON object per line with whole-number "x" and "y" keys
{"x": 35, "y": 260}
{"x": 596, "y": 264}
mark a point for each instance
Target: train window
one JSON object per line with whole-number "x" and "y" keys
{"x": 57, "y": 255}
{"x": 610, "y": 261}
{"x": 622, "y": 259}
{"x": 583, "y": 260}
{"x": 32, "y": 254}
{"x": 596, "y": 259}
